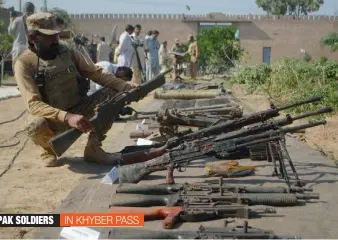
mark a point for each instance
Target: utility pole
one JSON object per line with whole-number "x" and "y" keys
{"x": 44, "y": 7}
{"x": 20, "y": 6}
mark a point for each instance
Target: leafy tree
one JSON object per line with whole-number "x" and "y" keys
{"x": 218, "y": 48}
{"x": 290, "y": 7}
{"x": 6, "y": 41}
{"x": 63, "y": 14}
{"x": 330, "y": 41}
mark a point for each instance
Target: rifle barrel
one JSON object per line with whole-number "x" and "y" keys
{"x": 279, "y": 131}
{"x": 320, "y": 111}
{"x": 311, "y": 100}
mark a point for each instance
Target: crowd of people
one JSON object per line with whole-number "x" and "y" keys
{"x": 147, "y": 56}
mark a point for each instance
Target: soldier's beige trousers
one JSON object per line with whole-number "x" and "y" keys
{"x": 193, "y": 69}
{"x": 41, "y": 130}
{"x": 136, "y": 75}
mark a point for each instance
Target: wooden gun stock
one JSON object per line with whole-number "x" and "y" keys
{"x": 171, "y": 215}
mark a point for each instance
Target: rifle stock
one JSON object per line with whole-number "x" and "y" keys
{"x": 171, "y": 215}
{"x": 61, "y": 143}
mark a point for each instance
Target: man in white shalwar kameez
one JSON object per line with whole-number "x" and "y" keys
{"x": 153, "y": 63}
{"x": 125, "y": 51}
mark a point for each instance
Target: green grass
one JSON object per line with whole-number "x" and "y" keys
{"x": 291, "y": 80}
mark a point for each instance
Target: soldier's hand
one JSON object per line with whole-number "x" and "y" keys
{"x": 79, "y": 122}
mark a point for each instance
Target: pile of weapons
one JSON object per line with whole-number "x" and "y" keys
{"x": 201, "y": 202}
{"x": 232, "y": 137}
{"x": 205, "y": 201}
{"x": 229, "y": 139}
{"x": 168, "y": 119}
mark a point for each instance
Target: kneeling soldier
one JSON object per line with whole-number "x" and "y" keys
{"x": 48, "y": 76}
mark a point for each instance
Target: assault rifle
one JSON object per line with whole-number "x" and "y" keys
{"x": 140, "y": 115}
{"x": 179, "y": 159}
{"x": 232, "y": 125}
{"x": 235, "y": 124}
{"x": 163, "y": 189}
{"x": 107, "y": 112}
{"x": 182, "y": 198}
{"x": 194, "y": 212}
{"x": 238, "y": 232}
{"x": 273, "y": 124}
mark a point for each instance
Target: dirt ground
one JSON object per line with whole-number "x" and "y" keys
{"x": 28, "y": 187}
{"x": 324, "y": 138}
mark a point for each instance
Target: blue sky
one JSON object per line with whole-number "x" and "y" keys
{"x": 163, "y": 6}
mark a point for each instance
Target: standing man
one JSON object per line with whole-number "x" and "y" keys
{"x": 139, "y": 40}
{"x": 18, "y": 29}
{"x": 177, "y": 59}
{"x": 146, "y": 50}
{"x": 193, "y": 52}
{"x": 103, "y": 50}
{"x": 126, "y": 50}
{"x": 153, "y": 62}
{"x": 163, "y": 55}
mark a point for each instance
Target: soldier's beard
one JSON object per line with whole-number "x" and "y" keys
{"x": 49, "y": 53}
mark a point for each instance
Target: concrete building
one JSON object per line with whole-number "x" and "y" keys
{"x": 264, "y": 38}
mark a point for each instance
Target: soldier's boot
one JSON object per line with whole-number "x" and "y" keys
{"x": 39, "y": 133}
{"x": 94, "y": 153}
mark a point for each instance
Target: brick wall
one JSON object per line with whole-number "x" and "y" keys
{"x": 169, "y": 28}
{"x": 285, "y": 35}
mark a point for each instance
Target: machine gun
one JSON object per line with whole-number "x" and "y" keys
{"x": 106, "y": 113}
{"x": 163, "y": 189}
{"x": 192, "y": 212}
{"x": 180, "y": 158}
{"x": 182, "y": 198}
{"x": 238, "y": 232}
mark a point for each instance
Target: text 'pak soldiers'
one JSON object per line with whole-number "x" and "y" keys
{"x": 48, "y": 78}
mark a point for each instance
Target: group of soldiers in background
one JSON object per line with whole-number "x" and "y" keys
{"x": 154, "y": 56}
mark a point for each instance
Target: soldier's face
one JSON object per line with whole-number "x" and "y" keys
{"x": 47, "y": 46}
{"x": 46, "y": 41}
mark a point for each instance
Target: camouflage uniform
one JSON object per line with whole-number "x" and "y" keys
{"x": 193, "y": 51}
{"x": 178, "y": 60}
{"x": 62, "y": 94}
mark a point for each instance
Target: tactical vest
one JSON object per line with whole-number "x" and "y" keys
{"x": 61, "y": 88}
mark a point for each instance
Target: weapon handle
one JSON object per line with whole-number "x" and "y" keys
{"x": 62, "y": 142}
{"x": 171, "y": 215}
{"x": 170, "y": 175}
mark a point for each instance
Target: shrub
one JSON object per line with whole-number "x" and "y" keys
{"x": 290, "y": 80}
